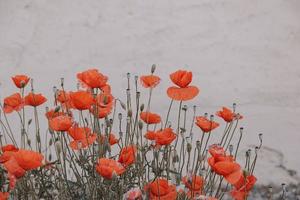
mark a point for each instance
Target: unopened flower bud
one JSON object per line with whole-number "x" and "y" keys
{"x": 142, "y": 107}
{"x": 189, "y": 147}
{"x": 140, "y": 125}
{"x": 129, "y": 113}
{"x": 153, "y": 68}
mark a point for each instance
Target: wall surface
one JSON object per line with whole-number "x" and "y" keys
{"x": 243, "y": 51}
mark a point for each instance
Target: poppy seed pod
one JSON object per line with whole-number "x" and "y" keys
{"x": 58, "y": 147}
{"x": 120, "y": 116}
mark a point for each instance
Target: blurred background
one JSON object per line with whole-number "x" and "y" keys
{"x": 239, "y": 51}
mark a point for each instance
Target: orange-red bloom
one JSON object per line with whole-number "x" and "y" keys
{"x": 183, "y": 92}
{"x": 127, "y": 155}
{"x": 161, "y": 189}
{"x": 83, "y": 137}
{"x": 226, "y": 167}
{"x": 112, "y": 139}
{"x": 9, "y": 147}
{"x": 108, "y": 168}
{"x": 150, "y": 118}
{"x": 181, "y": 78}
{"x": 205, "y": 124}
{"x": 34, "y": 99}
{"x": 81, "y": 100}
{"x": 194, "y": 183}
{"x": 149, "y": 81}
{"x": 20, "y": 80}
{"x": 4, "y": 195}
{"x": 18, "y": 162}
{"x": 150, "y": 135}
{"x": 165, "y": 136}
{"x": 13, "y": 102}
{"x": 13, "y": 167}
{"x": 60, "y": 123}
{"x": 228, "y": 115}
{"x": 243, "y": 187}
{"x": 28, "y": 159}
{"x": 92, "y": 78}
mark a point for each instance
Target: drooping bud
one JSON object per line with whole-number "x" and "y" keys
{"x": 153, "y": 68}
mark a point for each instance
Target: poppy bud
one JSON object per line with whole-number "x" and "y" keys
{"x": 62, "y": 82}
{"x": 136, "y": 78}
{"x": 50, "y": 142}
{"x": 128, "y": 75}
{"x": 57, "y": 109}
{"x": 55, "y": 90}
{"x": 29, "y": 121}
{"x": 189, "y": 147}
{"x": 153, "y": 67}
{"x": 142, "y": 107}
{"x": 38, "y": 138}
{"x": 50, "y": 157}
{"x": 211, "y": 117}
{"x": 29, "y": 142}
{"x": 129, "y": 113}
{"x": 138, "y": 94}
{"x": 205, "y": 115}
{"x": 260, "y": 136}
{"x": 140, "y": 125}
{"x": 184, "y": 107}
{"x": 123, "y": 105}
{"x": 175, "y": 158}
{"x": 58, "y": 147}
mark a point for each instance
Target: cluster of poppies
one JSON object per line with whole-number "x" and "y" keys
{"x": 96, "y": 98}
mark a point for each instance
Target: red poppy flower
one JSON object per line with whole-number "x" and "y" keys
{"x": 193, "y": 183}
{"x": 227, "y": 167}
{"x": 13, "y": 102}
{"x": 150, "y": 118}
{"x": 28, "y": 160}
{"x": 9, "y": 147}
{"x": 14, "y": 168}
{"x": 160, "y": 189}
{"x": 112, "y": 139}
{"x": 52, "y": 114}
{"x": 105, "y": 100}
{"x": 81, "y": 100}
{"x": 92, "y": 78}
{"x": 100, "y": 112}
{"x": 216, "y": 150}
{"x": 245, "y": 183}
{"x": 150, "y": 135}
{"x": 228, "y": 115}
{"x": 82, "y": 137}
{"x": 149, "y": 81}
{"x": 107, "y": 168}
{"x": 182, "y": 94}
{"x": 20, "y": 80}
{"x": 243, "y": 187}
{"x": 181, "y": 78}
{"x": 34, "y": 99}
{"x": 60, "y": 123}
{"x": 62, "y": 96}
{"x": 4, "y": 195}
{"x": 127, "y": 155}
{"x": 165, "y": 136}
{"x": 205, "y": 124}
